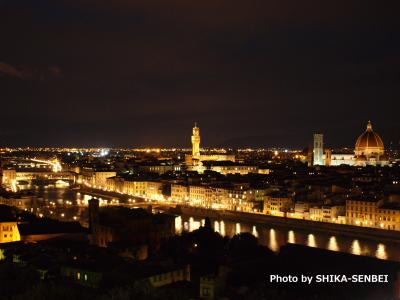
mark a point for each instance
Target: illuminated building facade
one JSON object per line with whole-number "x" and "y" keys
{"x": 159, "y": 168}
{"x": 9, "y": 232}
{"x": 99, "y": 178}
{"x": 23, "y": 203}
{"x": 194, "y": 160}
{"x": 200, "y": 195}
{"x": 149, "y": 189}
{"x": 328, "y": 157}
{"x": 301, "y": 210}
{"x": 277, "y": 204}
{"x": 318, "y": 149}
{"x": 180, "y": 193}
{"x": 195, "y": 141}
{"x": 138, "y": 188}
{"x": 362, "y": 211}
{"x": 154, "y": 190}
{"x": 388, "y": 216}
{"x": 373, "y": 213}
{"x": 239, "y": 198}
{"x": 229, "y": 167}
{"x": 337, "y": 159}
{"x": 327, "y": 213}
{"x": 9, "y": 178}
{"x": 117, "y": 184}
{"x": 369, "y": 150}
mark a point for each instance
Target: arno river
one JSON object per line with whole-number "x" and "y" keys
{"x": 270, "y": 236}
{"x": 274, "y": 237}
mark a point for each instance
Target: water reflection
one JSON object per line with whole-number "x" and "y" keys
{"x": 273, "y": 243}
{"x": 255, "y": 232}
{"x": 333, "y": 245}
{"x": 311, "y": 241}
{"x": 381, "y": 251}
{"x": 191, "y": 220}
{"x": 275, "y": 238}
{"x": 86, "y": 198}
{"x": 238, "y": 228}
{"x": 222, "y": 226}
{"x": 216, "y": 226}
{"x": 291, "y": 237}
{"x": 193, "y": 225}
{"x": 355, "y": 248}
{"x": 178, "y": 224}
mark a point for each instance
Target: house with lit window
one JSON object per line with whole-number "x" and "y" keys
{"x": 277, "y": 204}
{"x": 362, "y": 210}
{"x": 388, "y": 216}
{"x": 9, "y": 232}
{"x": 83, "y": 276}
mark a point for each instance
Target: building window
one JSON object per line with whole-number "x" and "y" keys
{"x": 78, "y": 276}
{"x": 206, "y": 291}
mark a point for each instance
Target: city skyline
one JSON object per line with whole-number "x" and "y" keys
{"x": 154, "y": 149}
{"x": 205, "y": 145}
{"x": 129, "y": 74}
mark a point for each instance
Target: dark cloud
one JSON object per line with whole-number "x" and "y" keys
{"x": 250, "y": 72}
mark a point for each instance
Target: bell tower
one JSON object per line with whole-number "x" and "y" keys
{"x": 318, "y": 149}
{"x": 195, "y": 141}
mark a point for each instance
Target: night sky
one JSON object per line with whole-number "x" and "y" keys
{"x": 251, "y": 73}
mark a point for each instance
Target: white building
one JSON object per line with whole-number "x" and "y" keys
{"x": 369, "y": 150}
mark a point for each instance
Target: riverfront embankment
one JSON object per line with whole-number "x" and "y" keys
{"x": 290, "y": 223}
{"x": 374, "y": 234}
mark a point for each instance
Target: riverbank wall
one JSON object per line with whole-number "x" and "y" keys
{"x": 291, "y": 224}
{"x": 375, "y": 234}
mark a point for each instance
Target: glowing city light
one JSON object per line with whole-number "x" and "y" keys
{"x": 355, "y": 248}
{"x": 381, "y": 251}
{"x": 273, "y": 242}
{"x": 311, "y": 241}
{"x": 255, "y": 232}
{"x": 238, "y": 228}
{"x": 291, "y": 237}
{"x": 332, "y": 244}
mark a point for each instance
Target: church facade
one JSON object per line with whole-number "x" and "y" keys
{"x": 369, "y": 150}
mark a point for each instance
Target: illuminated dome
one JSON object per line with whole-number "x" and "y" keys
{"x": 361, "y": 158}
{"x": 369, "y": 144}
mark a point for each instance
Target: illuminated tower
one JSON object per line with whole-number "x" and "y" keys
{"x": 328, "y": 157}
{"x": 318, "y": 149}
{"x": 196, "y": 141}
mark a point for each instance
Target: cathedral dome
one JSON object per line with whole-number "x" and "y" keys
{"x": 369, "y": 143}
